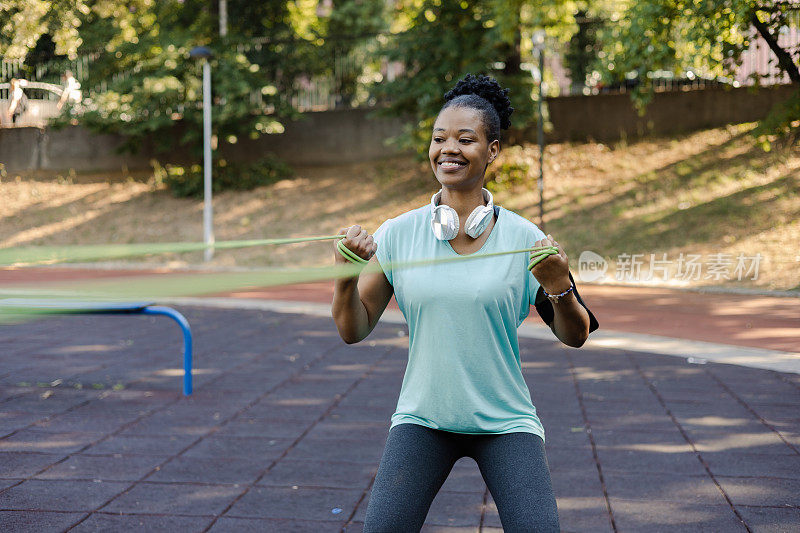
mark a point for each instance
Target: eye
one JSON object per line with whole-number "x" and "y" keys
{"x": 437, "y": 139}
{"x": 467, "y": 141}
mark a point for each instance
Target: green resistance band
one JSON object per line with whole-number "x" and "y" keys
{"x": 349, "y": 254}
{"x": 540, "y": 253}
{"x": 204, "y": 283}
{"x": 189, "y": 284}
{"x": 37, "y": 255}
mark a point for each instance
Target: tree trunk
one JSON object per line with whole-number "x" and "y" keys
{"x": 785, "y": 60}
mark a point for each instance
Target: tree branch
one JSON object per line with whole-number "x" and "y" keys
{"x": 785, "y": 60}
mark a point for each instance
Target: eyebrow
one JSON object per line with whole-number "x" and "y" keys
{"x": 459, "y": 131}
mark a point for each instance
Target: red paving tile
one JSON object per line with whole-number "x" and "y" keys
{"x": 667, "y": 437}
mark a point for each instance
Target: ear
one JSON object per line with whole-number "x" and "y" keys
{"x": 494, "y": 150}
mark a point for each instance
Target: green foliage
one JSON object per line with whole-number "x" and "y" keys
{"x": 782, "y": 125}
{"x": 508, "y": 174}
{"x": 581, "y": 53}
{"x": 348, "y": 24}
{"x": 145, "y": 86}
{"x": 23, "y": 22}
{"x": 706, "y": 37}
{"x": 187, "y": 181}
{"x": 440, "y": 42}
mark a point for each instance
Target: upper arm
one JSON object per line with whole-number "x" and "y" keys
{"x": 375, "y": 292}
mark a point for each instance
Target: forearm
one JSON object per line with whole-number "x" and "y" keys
{"x": 348, "y": 311}
{"x": 570, "y": 321}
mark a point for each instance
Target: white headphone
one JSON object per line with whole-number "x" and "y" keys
{"x": 444, "y": 219}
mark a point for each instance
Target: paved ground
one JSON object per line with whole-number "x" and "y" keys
{"x": 287, "y": 425}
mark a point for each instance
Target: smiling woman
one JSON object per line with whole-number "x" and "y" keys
{"x": 463, "y": 393}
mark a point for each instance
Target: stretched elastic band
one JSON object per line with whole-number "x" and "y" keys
{"x": 349, "y": 254}
{"x": 540, "y": 253}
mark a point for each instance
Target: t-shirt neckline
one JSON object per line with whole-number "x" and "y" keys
{"x": 498, "y": 211}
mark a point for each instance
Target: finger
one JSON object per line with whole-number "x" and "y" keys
{"x": 353, "y": 231}
{"x": 358, "y": 240}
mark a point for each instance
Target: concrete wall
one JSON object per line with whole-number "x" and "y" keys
{"x": 343, "y": 136}
{"x": 610, "y": 117}
{"x": 31, "y": 148}
{"x": 327, "y": 137}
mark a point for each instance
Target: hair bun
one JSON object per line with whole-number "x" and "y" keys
{"x": 487, "y": 88}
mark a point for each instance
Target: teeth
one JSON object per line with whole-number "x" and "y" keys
{"x": 449, "y": 164}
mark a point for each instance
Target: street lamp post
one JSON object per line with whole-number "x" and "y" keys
{"x": 538, "y": 47}
{"x": 223, "y": 18}
{"x": 202, "y": 52}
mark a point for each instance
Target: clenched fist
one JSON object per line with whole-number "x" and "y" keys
{"x": 358, "y": 241}
{"x": 553, "y": 272}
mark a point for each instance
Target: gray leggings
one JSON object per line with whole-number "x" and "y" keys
{"x": 417, "y": 460}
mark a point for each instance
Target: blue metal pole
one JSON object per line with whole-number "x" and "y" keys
{"x": 187, "y": 341}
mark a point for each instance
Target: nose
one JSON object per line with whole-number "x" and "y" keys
{"x": 451, "y": 146}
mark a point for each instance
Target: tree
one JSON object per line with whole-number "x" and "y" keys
{"x": 25, "y": 21}
{"x": 705, "y": 36}
{"x": 350, "y": 26}
{"x": 581, "y": 54}
{"x": 439, "y": 42}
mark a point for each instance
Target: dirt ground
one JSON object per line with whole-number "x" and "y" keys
{"x": 707, "y": 193}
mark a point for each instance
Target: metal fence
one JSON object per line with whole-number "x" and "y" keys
{"x": 47, "y": 71}
{"x": 760, "y": 62}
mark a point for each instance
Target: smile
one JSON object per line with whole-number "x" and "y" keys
{"x": 451, "y": 164}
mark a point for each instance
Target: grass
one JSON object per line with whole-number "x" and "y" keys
{"x": 709, "y": 192}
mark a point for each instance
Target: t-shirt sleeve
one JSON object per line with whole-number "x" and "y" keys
{"x": 383, "y": 237}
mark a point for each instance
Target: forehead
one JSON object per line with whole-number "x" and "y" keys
{"x": 457, "y": 118}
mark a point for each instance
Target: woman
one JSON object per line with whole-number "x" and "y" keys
{"x": 463, "y": 393}
{"x": 18, "y": 101}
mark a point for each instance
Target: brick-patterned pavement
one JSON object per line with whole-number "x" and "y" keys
{"x": 287, "y": 423}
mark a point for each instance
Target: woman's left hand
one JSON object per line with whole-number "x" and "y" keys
{"x": 552, "y": 273}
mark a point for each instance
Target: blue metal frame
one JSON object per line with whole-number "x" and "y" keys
{"x": 114, "y": 308}
{"x": 187, "y": 340}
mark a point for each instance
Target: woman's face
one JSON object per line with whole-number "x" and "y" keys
{"x": 459, "y": 150}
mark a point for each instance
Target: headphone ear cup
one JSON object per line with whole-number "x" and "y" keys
{"x": 444, "y": 222}
{"x": 478, "y": 221}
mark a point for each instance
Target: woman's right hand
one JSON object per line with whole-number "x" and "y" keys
{"x": 358, "y": 241}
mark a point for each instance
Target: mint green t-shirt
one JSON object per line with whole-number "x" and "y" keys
{"x": 464, "y": 373}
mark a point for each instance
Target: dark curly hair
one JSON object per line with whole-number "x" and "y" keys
{"x": 485, "y": 95}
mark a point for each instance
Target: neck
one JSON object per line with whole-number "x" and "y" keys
{"x": 463, "y": 201}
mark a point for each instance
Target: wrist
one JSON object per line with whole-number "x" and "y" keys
{"x": 561, "y": 296}
{"x": 556, "y": 286}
